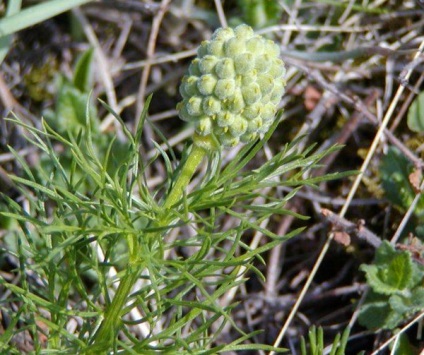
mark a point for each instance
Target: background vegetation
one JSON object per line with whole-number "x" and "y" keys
{"x": 335, "y": 261}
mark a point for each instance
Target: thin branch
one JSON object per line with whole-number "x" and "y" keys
{"x": 357, "y": 230}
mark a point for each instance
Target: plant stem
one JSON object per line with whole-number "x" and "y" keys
{"x": 104, "y": 337}
{"x": 106, "y": 334}
{"x": 193, "y": 160}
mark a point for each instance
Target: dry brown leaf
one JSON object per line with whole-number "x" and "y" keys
{"x": 415, "y": 179}
{"x": 312, "y": 96}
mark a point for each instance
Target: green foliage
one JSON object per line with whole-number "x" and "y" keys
{"x": 83, "y": 76}
{"x": 64, "y": 226}
{"x": 397, "y": 291}
{"x": 316, "y": 342}
{"x": 260, "y": 13}
{"x": 5, "y": 222}
{"x": 394, "y": 274}
{"x": 73, "y": 100}
{"x": 404, "y": 347}
{"x": 75, "y": 118}
{"x": 415, "y": 118}
{"x": 395, "y": 170}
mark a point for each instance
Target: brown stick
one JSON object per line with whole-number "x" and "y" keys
{"x": 357, "y": 230}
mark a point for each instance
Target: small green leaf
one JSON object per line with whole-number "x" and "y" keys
{"x": 395, "y": 169}
{"x": 393, "y": 319}
{"x": 260, "y": 13}
{"x": 377, "y": 315}
{"x": 71, "y": 106}
{"x": 83, "y": 71}
{"x": 373, "y": 315}
{"x": 416, "y": 114}
{"x": 394, "y": 278}
{"x": 389, "y": 276}
{"x": 303, "y": 346}
{"x": 417, "y": 275}
{"x": 70, "y": 115}
{"x": 409, "y": 304}
{"x": 399, "y": 273}
{"x": 404, "y": 346}
{"x": 343, "y": 342}
{"x": 375, "y": 280}
{"x": 6, "y": 221}
{"x": 385, "y": 253}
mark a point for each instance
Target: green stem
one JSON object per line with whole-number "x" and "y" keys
{"x": 104, "y": 337}
{"x": 193, "y": 160}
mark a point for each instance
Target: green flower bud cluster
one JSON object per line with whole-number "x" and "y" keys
{"x": 233, "y": 86}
